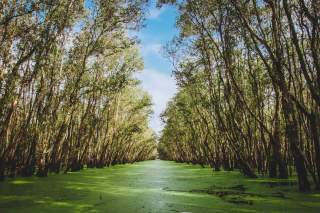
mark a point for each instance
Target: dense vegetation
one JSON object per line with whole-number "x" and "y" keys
{"x": 249, "y": 87}
{"x": 68, "y": 95}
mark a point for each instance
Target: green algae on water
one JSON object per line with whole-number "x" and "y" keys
{"x": 154, "y": 186}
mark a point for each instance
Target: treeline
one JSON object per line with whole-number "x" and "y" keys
{"x": 249, "y": 87}
{"x": 68, "y": 95}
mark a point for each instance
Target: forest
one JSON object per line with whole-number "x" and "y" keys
{"x": 81, "y": 109}
{"x": 248, "y": 76}
{"x": 68, "y": 95}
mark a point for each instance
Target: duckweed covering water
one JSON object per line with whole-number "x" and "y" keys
{"x": 154, "y": 186}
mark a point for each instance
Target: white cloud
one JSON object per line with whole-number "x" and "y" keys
{"x": 154, "y": 13}
{"x": 161, "y": 87}
{"x": 151, "y": 48}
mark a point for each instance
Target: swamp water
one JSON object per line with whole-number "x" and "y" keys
{"x": 154, "y": 186}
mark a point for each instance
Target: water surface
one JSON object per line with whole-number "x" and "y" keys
{"x": 154, "y": 186}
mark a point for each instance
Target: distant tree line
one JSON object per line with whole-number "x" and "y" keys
{"x": 249, "y": 87}
{"x": 67, "y": 92}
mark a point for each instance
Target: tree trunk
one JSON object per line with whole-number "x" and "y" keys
{"x": 2, "y": 169}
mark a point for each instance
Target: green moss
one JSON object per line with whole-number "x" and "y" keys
{"x": 154, "y": 186}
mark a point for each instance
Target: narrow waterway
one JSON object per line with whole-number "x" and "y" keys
{"x": 154, "y": 186}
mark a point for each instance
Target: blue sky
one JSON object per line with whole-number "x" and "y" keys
{"x": 156, "y": 77}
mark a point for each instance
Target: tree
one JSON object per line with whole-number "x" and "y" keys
{"x": 67, "y": 86}
{"x": 252, "y": 69}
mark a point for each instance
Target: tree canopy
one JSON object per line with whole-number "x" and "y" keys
{"x": 68, "y": 95}
{"x": 249, "y": 87}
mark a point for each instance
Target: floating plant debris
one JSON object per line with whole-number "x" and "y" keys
{"x": 274, "y": 184}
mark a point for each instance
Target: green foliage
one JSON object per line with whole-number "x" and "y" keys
{"x": 246, "y": 97}
{"x": 68, "y": 96}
